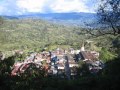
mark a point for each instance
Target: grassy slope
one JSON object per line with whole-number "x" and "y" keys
{"x": 31, "y": 33}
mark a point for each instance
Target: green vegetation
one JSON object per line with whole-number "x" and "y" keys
{"x": 106, "y": 55}
{"x": 35, "y": 33}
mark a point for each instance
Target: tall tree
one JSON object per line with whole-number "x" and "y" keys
{"x": 109, "y": 16}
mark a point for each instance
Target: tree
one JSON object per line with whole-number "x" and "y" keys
{"x": 105, "y": 55}
{"x": 6, "y": 64}
{"x": 108, "y": 19}
{"x": 109, "y": 16}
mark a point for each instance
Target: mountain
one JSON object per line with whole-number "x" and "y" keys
{"x": 62, "y": 18}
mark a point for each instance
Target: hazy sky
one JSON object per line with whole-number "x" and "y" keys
{"x": 15, "y": 7}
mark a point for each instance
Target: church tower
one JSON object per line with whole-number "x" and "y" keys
{"x": 82, "y": 48}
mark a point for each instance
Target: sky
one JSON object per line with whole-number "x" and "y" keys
{"x": 20, "y": 7}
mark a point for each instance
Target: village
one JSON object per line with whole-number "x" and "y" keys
{"x": 60, "y": 63}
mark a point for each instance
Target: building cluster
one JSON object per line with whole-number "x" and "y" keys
{"x": 61, "y": 63}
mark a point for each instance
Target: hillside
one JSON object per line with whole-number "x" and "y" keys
{"x": 36, "y": 33}
{"x": 74, "y": 19}
{"x": 33, "y": 34}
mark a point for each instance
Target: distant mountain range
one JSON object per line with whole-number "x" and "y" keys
{"x": 78, "y": 19}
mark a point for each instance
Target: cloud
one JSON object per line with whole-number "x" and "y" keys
{"x": 45, "y": 6}
{"x": 1, "y": 8}
{"x": 30, "y": 5}
{"x": 8, "y": 7}
{"x": 54, "y": 5}
{"x": 69, "y": 6}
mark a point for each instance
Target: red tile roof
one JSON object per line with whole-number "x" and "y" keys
{"x": 87, "y": 55}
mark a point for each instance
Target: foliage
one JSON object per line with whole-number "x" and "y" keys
{"x": 24, "y": 81}
{"x": 109, "y": 15}
{"x": 20, "y": 57}
{"x": 116, "y": 45}
{"x": 6, "y": 64}
{"x": 36, "y": 34}
{"x": 106, "y": 55}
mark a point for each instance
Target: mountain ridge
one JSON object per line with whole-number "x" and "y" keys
{"x": 73, "y": 18}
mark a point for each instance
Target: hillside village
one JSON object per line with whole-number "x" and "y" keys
{"x": 60, "y": 63}
{"x": 59, "y": 45}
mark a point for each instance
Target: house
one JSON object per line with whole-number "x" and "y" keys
{"x": 95, "y": 66}
{"x": 38, "y": 57}
{"x": 54, "y": 70}
{"x": 72, "y": 51}
{"x": 19, "y": 68}
{"x": 59, "y": 51}
{"x": 16, "y": 68}
{"x": 96, "y": 54}
{"x": 61, "y": 66}
{"x": 87, "y": 55}
{"x": 73, "y": 64}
